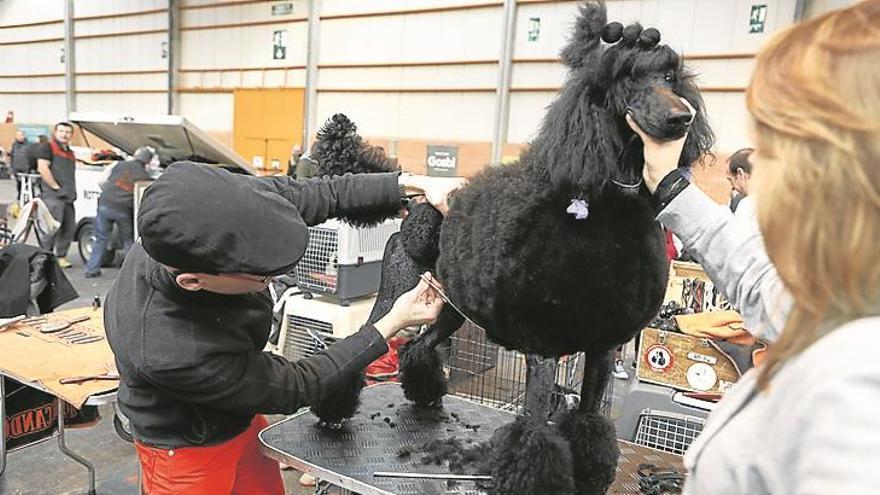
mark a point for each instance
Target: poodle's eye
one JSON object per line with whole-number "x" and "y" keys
{"x": 669, "y": 77}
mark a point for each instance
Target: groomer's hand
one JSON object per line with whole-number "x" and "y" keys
{"x": 420, "y": 305}
{"x": 436, "y": 189}
{"x": 661, "y": 157}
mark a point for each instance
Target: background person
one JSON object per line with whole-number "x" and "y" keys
{"x": 57, "y": 167}
{"x": 805, "y": 421}
{"x": 116, "y": 206}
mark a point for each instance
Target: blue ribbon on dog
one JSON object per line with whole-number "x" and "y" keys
{"x": 580, "y": 208}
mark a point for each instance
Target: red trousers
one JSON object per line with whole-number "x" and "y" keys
{"x": 236, "y": 466}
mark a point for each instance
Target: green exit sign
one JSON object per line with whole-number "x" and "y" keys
{"x": 758, "y": 18}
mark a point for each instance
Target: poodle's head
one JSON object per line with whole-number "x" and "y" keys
{"x": 584, "y": 143}
{"x": 340, "y": 150}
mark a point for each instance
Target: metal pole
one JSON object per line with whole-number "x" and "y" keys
{"x": 502, "y": 93}
{"x": 2, "y": 423}
{"x": 62, "y": 446}
{"x": 310, "y": 105}
{"x": 433, "y": 476}
{"x": 173, "y": 51}
{"x": 69, "y": 59}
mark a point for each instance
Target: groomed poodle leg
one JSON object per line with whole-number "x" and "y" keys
{"x": 540, "y": 382}
{"x": 531, "y": 457}
{"x": 591, "y": 435}
{"x": 421, "y": 372}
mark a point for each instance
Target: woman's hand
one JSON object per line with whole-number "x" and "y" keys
{"x": 436, "y": 189}
{"x": 661, "y": 157}
{"x": 420, "y": 305}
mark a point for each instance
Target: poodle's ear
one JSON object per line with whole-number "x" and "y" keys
{"x": 577, "y": 146}
{"x": 700, "y": 139}
{"x": 588, "y": 32}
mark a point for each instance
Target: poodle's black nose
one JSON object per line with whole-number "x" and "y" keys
{"x": 677, "y": 118}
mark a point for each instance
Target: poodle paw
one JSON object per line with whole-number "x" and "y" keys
{"x": 531, "y": 458}
{"x": 593, "y": 449}
{"x": 421, "y": 375}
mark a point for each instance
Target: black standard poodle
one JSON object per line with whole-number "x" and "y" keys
{"x": 556, "y": 253}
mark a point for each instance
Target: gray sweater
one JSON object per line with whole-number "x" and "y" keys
{"x": 816, "y": 430}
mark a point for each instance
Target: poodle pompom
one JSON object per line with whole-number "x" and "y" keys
{"x": 593, "y": 449}
{"x": 531, "y": 458}
{"x": 342, "y": 403}
{"x": 421, "y": 374}
{"x": 631, "y": 34}
{"x": 421, "y": 233}
{"x": 337, "y": 146}
{"x": 612, "y": 32}
{"x": 649, "y": 38}
{"x": 339, "y": 150}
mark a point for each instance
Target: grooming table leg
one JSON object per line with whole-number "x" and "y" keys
{"x": 2, "y": 422}
{"x": 69, "y": 453}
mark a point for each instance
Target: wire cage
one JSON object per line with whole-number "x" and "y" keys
{"x": 317, "y": 270}
{"x": 492, "y": 375}
{"x": 343, "y": 260}
{"x": 667, "y": 431}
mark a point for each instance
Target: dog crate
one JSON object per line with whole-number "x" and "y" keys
{"x": 667, "y": 431}
{"x": 311, "y": 323}
{"x": 489, "y": 374}
{"x": 344, "y": 261}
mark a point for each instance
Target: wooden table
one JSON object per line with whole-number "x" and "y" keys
{"x": 40, "y": 360}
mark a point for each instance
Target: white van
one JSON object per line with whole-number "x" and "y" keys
{"x": 173, "y": 137}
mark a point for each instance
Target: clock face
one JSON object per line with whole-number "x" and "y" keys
{"x": 701, "y": 377}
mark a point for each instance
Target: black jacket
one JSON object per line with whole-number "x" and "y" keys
{"x": 118, "y": 193}
{"x": 192, "y": 367}
{"x": 19, "y": 157}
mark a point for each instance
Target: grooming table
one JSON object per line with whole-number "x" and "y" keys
{"x": 40, "y": 360}
{"x": 386, "y": 422}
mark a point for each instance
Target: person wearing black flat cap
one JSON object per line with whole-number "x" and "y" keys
{"x": 189, "y": 315}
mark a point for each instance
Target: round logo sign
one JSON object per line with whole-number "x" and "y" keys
{"x": 659, "y": 358}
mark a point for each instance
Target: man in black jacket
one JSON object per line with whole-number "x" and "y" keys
{"x": 18, "y": 158}
{"x": 116, "y": 205}
{"x": 57, "y": 166}
{"x": 189, "y": 316}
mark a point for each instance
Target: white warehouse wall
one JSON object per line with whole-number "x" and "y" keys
{"x": 428, "y": 74}
{"x": 693, "y": 27}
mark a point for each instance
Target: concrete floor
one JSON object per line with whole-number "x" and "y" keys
{"x": 42, "y": 469}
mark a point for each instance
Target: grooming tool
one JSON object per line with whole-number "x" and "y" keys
{"x": 62, "y": 325}
{"x": 429, "y": 476}
{"x": 447, "y": 300}
{"x": 83, "y": 379}
{"x": 10, "y": 322}
{"x": 69, "y": 332}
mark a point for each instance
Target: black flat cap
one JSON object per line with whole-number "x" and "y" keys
{"x": 203, "y": 219}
